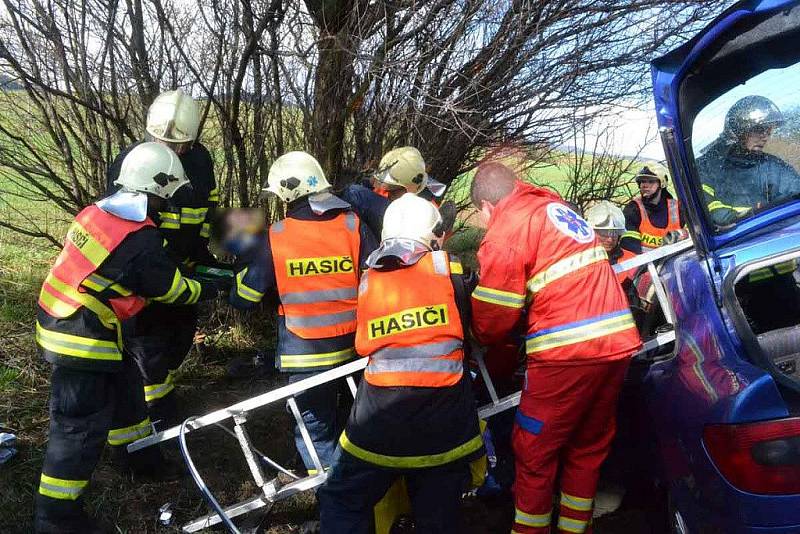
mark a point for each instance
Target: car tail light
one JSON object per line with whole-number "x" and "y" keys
{"x": 758, "y": 457}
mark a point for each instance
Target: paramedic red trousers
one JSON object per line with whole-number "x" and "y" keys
{"x": 567, "y": 419}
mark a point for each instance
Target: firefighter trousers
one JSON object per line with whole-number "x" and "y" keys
{"x": 159, "y": 338}
{"x": 87, "y": 409}
{"x": 348, "y": 498}
{"x": 565, "y": 421}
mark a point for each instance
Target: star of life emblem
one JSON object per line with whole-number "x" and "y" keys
{"x": 569, "y": 223}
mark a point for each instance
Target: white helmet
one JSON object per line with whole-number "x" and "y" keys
{"x": 295, "y": 175}
{"x": 173, "y": 117}
{"x": 414, "y": 218}
{"x": 606, "y": 216}
{"x": 403, "y": 167}
{"x": 151, "y": 168}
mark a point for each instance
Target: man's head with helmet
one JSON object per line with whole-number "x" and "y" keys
{"x": 750, "y": 122}
{"x": 608, "y": 222}
{"x": 651, "y": 182}
{"x": 173, "y": 119}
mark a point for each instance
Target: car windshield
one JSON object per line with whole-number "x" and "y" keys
{"x": 746, "y": 147}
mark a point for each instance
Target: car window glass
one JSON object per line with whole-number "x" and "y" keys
{"x": 746, "y": 147}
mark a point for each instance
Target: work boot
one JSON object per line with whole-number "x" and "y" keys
{"x": 164, "y": 412}
{"x": 146, "y": 465}
{"x": 82, "y": 524}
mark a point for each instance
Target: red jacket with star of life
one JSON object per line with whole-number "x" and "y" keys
{"x": 540, "y": 262}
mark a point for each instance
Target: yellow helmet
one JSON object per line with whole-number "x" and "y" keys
{"x": 403, "y": 167}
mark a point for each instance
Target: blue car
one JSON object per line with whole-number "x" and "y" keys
{"x": 725, "y": 401}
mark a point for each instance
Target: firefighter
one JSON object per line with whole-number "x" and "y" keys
{"x": 737, "y": 175}
{"x": 651, "y": 215}
{"x": 312, "y": 259}
{"x": 161, "y": 336}
{"x": 414, "y": 414}
{"x": 541, "y": 263}
{"x": 403, "y": 170}
{"x": 608, "y": 222}
{"x": 111, "y": 262}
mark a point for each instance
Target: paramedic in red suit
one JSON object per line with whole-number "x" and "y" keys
{"x": 540, "y": 257}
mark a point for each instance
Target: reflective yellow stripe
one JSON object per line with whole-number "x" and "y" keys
{"x": 572, "y": 525}
{"x": 456, "y": 268}
{"x": 157, "y": 391}
{"x": 194, "y": 290}
{"x": 98, "y": 283}
{"x": 708, "y": 189}
{"x": 129, "y": 434}
{"x": 169, "y": 220}
{"x": 496, "y": 296}
{"x": 294, "y": 361}
{"x": 205, "y": 230}
{"x": 633, "y": 234}
{"x": 581, "y": 504}
{"x": 568, "y": 265}
{"x": 88, "y": 245}
{"x": 60, "y": 488}
{"x": 531, "y": 520}
{"x": 583, "y": 331}
{"x": 412, "y": 462}
{"x": 77, "y": 346}
{"x": 244, "y": 291}
{"x": 717, "y": 205}
{"x": 213, "y": 195}
{"x": 106, "y": 314}
{"x": 193, "y": 215}
{"x": 174, "y": 290}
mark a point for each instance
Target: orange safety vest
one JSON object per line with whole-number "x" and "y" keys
{"x": 652, "y": 236}
{"x": 316, "y": 269}
{"x": 409, "y": 325}
{"x": 91, "y": 239}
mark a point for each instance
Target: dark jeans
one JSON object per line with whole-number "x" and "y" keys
{"x": 354, "y": 487}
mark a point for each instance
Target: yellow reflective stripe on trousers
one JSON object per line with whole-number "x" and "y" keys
{"x": 456, "y": 268}
{"x": 129, "y": 434}
{"x": 169, "y": 220}
{"x": 411, "y": 462}
{"x": 61, "y": 488}
{"x": 193, "y": 215}
{"x": 157, "y": 391}
{"x": 323, "y": 359}
{"x": 77, "y": 346}
{"x": 205, "y": 230}
{"x": 579, "y": 331}
{"x": 213, "y": 195}
{"x": 581, "y": 504}
{"x": 499, "y": 297}
{"x": 531, "y": 520}
{"x": 572, "y": 525}
{"x": 244, "y": 291}
{"x": 174, "y": 290}
{"x": 568, "y": 265}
